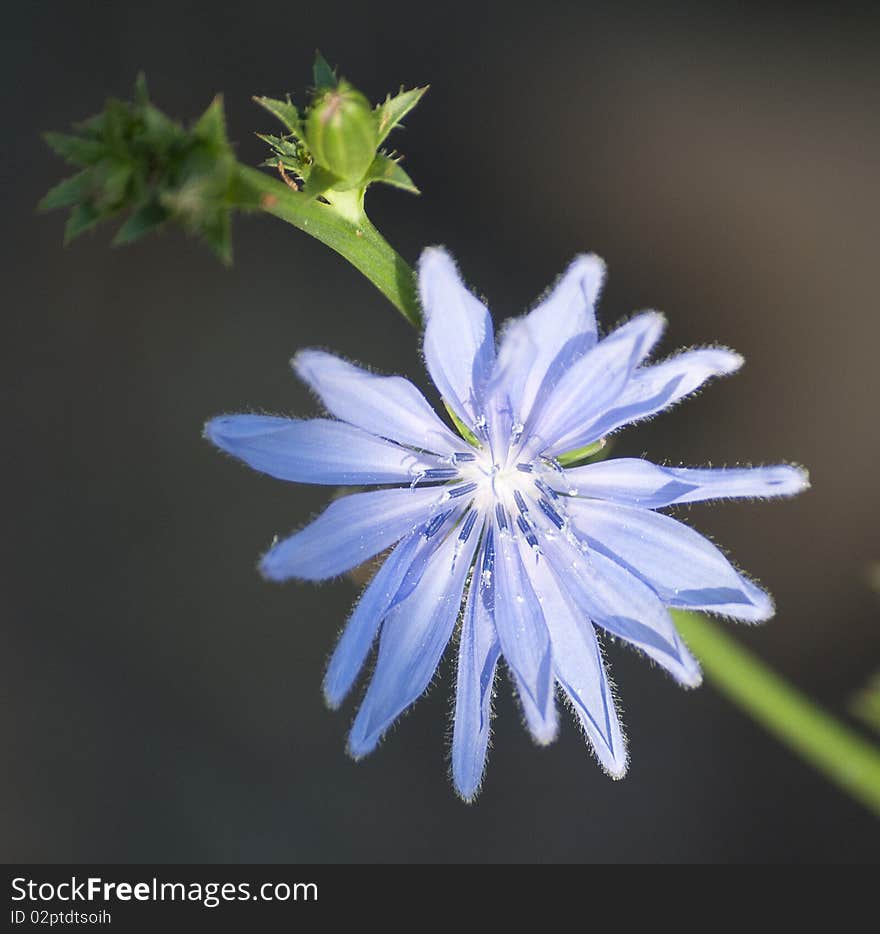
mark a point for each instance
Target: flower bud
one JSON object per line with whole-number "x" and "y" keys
{"x": 341, "y": 133}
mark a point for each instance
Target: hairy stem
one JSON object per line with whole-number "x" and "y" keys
{"x": 344, "y": 228}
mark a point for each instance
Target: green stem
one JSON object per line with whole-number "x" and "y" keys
{"x": 830, "y": 746}
{"x": 345, "y": 229}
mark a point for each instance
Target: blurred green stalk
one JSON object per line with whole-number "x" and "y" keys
{"x": 828, "y": 745}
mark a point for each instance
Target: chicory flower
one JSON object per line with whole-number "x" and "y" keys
{"x": 485, "y": 531}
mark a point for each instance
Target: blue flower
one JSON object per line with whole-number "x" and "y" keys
{"x": 486, "y": 531}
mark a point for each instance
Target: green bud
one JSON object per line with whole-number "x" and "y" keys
{"x": 341, "y": 134}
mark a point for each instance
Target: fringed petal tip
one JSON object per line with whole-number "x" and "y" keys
{"x": 270, "y": 568}
{"x": 364, "y": 735}
{"x": 545, "y": 733}
{"x": 358, "y": 749}
{"x": 590, "y": 272}
{"x": 356, "y": 754}
{"x": 467, "y": 779}
{"x": 332, "y": 698}
{"x": 646, "y": 327}
{"x": 616, "y": 770}
{"x": 436, "y": 259}
{"x": 209, "y": 428}
{"x": 759, "y": 608}
{"x": 302, "y": 362}
{"x": 729, "y": 361}
{"x": 794, "y": 479}
{"x": 723, "y": 361}
{"x": 467, "y": 795}
{"x": 693, "y": 680}
{"x": 468, "y": 787}
{"x": 775, "y": 480}
{"x": 360, "y": 744}
{"x": 223, "y": 430}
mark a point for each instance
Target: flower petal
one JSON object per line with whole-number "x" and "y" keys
{"x": 615, "y": 599}
{"x": 478, "y": 653}
{"x": 577, "y": 662}
{"x": 538, "y": 348}
{"x": 655, "y": 388}
{"x": 524, "y": 639}
{"x": 459, "y": 339}
{"x": 350, "y": 531}
{"x": 315, "y": 450}
{"x": 413, "y": 638}
{"x": 683, "y": 567}
{"x": 357, "y": 638}
{"x": 386, "y": 406}
{"x": 637, "y": 482}
{"x": 590, "y": 385}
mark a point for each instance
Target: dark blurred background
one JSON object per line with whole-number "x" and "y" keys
{"x": 162, "y": 702}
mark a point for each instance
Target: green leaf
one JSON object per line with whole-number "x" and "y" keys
{"x": 161, "y": 131}
{"x": 287, "y": 163}
{"x": 323, "y": 76}
{"x": 114, "y": 177}
{"x": 284, "y": 111}
{"x": 284, "y": 147}
{"x": 82, "y": 218}
{"x": 217, "y": 231}
{"x": 76, "y": 149}
{"x": 387, "y": 170}
{"x": 137, "y": 159}
{"x": 461, "y": 428}
{"x": 141, "y": 94}
{"x": 389, "y": 114}
{"x": 579, "y": 455}
{"x": 69, "y": 192}
{"x": 211, "y": 126}
{"x": 142, "y": 221}
{"x": 118, "y": 123}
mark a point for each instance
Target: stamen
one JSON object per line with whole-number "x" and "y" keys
{"x": 546, "y": 490}
{"x": 489, "y": 556}
{"x": 525, "y": 468}
{"x": 551, "y": 513}
{"x": 468, "y": 526}
{"x": 433, "y": 526}
{"x": 463, "y": 457}
{"x": 440, "y": 473}
{"x": 526, "y": 529}
{"x": 481, "y": 429}
{"x": 501, "y": 516}
{"x": 516, "y": 431}
{"x": 488, "y": 567}
{"x": 520, "y": 502}
{"x": 552, "y": 462}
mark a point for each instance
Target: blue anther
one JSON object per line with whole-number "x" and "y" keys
{"x": 434, "y": 524}
{"x": 551, "y": 513}
{"x": 468, "y": 526}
